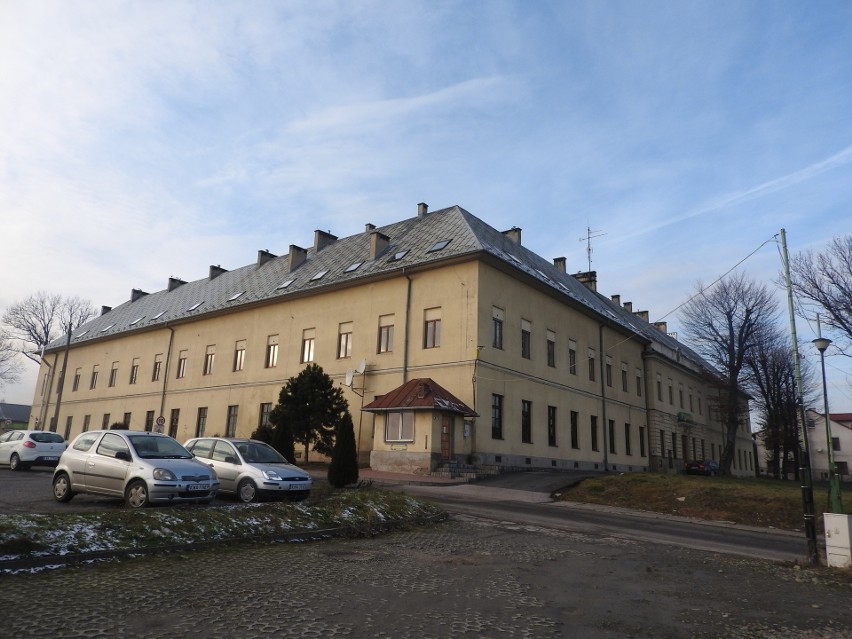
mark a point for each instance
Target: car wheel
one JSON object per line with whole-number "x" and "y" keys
{"x": 15, "y": 463}
{"x": 62, "y": 488}
{"x": 136, "y": 495}
{"x": 247, "y": 491}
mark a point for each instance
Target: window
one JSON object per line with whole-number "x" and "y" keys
{"x": 496, "y": 417}
{"x": 239, "y": 355}
{"x": 76, "y": 384}
{"x": 680, "y": 395}
{"x": 432, "y": 328}
{"x": 691, "y": 407}
{"x": 201, "y": 421}
{"x": 158, "y": 364}
{"x": 551, "y": 349}
{"x": 399, "y": 427}
{"x": 572, "y": 357}
{"x": 319, "y": 275}
{"x": 209, "y": 356}
{"x": 612, "y": 436}
{"x": 608, "y": 371}
{"x": 627, "y": 447}
{"x": 174, "y": 420}
{"x": 271, "y": 360}
{"x": 842, "y": 467}
{"x": 265, "y": 410}
{"x": 624, "y": 378}
{"x": 575, "y": 434}
{"x": 353, "y": 267}
{"x": 149, "y": 421}
{"x": 231, "y": 424}
{"x": 699, "y": 405}
{"x": 158, "y": 315}
{"x": 284, "y": 284}
{"x": 113, "y": 374}
{"x": 641, "y": 441}
{"x": 126, "y": 420}
{"x": 835, "y": 444}
{"x": 638, "y": 383}
{"x": 551, "y": 425}
{"x": 181, "y": 367}
{"x": 236, "y": 296}
{"x": 593, "y": 428}
{"x": 398, "y": 255}
{"x": 497, "y": 328}
{"x": 134, "y": 370}
{"x": 94, "y": 381}
{"x": 105, "y": 421}
{"x": 308, "y": 344}
{"x": 437, "y": 246}
{"x": 385, "y": 334}
{"x": 68, "y": 421}
{"x": 659, "y": 388}
{"x": 671, "y": 392}
{"x": 526, "y": 332}
{"x": 344, "y": 340}
{"x": 592, "y": 365}
{"x": 87, "y": 419}
{"x": 526, "y": 421}
{"x": 195, "y": 306}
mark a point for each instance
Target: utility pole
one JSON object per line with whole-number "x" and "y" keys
{"x": 54, "y": 426}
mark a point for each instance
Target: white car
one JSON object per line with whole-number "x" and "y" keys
{"x": 137, "y": 466}
{"x": 251, "y": 469}
{"x": 20, "y": 449}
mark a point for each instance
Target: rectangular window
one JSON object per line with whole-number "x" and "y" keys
{"x": 842, "y": 467}
{"x": 76, "y": 384}
{"x": 87, "y": 419}
{"x": 209, "y": 356}
{"x": 641, "y": 441}
{"x": 239, "y": 355}
{"x": 699, "y": 406}
{"x": 399, "y": 427}
{"x": 592, "y": 365}
{"x": 134, "y": 370}
{"x": 496, "y": 417}
{"x": 551, "y": 348}
{"x": 263, "y": 420}
{"x": 231, "y": 424}
{"x": 308, "y": 345}
{"x": 385, "y": 344}
{"x": 575, "y": 433}
{"x": 181, "y": 366}
{"x": 201, "y": 421}
{"x": 526, "y": 339}
{"x": 612, "y": 436}
{"x": 638, "y": 383}
{"x": 126, "y": 420}
{"x": 174, "y": 420}
{"x": 690, "y": 401}
{"x": 551, "y": 425}
{"x": 271, "y": 360}
{"x": 593, "y": 427}
{"x": 68, "y": 421}
{"x": 671, "y": 392}
{"x": 608, "y": 371}
{"x": 149, "y": 421}
{"x": 835, "y": 444}
{"x": 432, "y": 328}
{"x": 572, "y": 357}
{"x": 497, "y": 327}
{"x": 158, "y": 364}
{"x": 94, "y": 381}
{"x": 624, "y": 378}
{"x": 105, "y": 421}
{"x": 674, "y": 445}
{"x": 526, "y": 421}
{"x": 344, "y": 340}
{"x": 627, "y": 447}
{"x": 680, "y": 395}
{"x": 659, "y": 388}
{"x": 113, "y": 374}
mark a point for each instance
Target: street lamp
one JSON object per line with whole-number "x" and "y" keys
{"x": 835, "y": 503}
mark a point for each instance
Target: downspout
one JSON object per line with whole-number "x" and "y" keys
{"x": 605, "y": 424}
{"x": 54, "y": 423}
{"x": 45, "y": 396}
{"x": 166, "y": 372}
{"x": 405, "y": 336}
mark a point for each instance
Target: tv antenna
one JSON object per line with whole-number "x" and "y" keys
{"x": 590, "y": 235}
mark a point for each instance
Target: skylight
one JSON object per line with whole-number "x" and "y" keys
{"x": 236, "y": 296}
{"x": 285, "y": 284}
{"x": 196, "y": 305}
{"x": 513, "y": 258}
{"x": 398, "y": 255}
{"x": 158, "y": 315}
{"x": 104, "y": 330}
{"x": 437, "y": 246}
{"x": 83, "y": 333}
{"x": 319, "y": 275}
{"x": 137, "y": 320}
{"x": 352, "y": 267}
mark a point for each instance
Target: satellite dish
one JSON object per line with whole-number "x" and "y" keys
{"x": 362, "y": 366}
{"x": 350, "y": 375}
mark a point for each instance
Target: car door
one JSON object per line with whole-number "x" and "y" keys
{"x": 226, "y": 464}
{"x": 105, "y": 473}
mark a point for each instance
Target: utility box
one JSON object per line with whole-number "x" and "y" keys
{"x": 838, "y": 540}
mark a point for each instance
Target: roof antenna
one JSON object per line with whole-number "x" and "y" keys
{"x": 590, "y": 235}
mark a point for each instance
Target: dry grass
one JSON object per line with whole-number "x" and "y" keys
{"x": 755, "y": 502}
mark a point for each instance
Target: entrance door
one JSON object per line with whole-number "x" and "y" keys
{"x": 446, "y": 437}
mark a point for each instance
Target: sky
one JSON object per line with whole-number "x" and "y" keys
{"x": 143, "y": 140}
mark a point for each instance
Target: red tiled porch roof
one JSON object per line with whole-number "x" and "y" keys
{"x": 420, "y": 394}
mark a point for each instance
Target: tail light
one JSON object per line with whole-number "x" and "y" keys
{"x": 29, "y": 444}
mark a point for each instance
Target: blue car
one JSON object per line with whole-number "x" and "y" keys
{"x": 702, "y": 467}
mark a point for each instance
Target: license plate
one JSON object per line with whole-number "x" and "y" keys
{"x": 51, "y": 458}
{"x": 198, "y": 487}
{"x": 297, "y": 486}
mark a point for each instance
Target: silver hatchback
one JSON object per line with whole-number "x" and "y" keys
{"x": 137, "y": 466}
{"x": 251, "y": 469}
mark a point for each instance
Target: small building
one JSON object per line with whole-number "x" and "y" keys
{"x": 14, "y": 416}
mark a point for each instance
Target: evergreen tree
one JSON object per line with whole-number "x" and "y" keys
{"x": 344, "y": 458}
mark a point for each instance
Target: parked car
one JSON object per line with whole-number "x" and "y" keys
{"x": 702, "y": 467}
{"x": 20, "y": 449}
{"x": 140, "y": 467}
{"x": 251, "y": 469}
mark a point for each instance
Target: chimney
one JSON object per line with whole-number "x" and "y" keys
{"x": 216, "y": 271}
{"x": 423, "y": 389}
{"x": 378, "y": 243}
{"x": 136, "y": 293}
{"x": 616, "y": 299}
{"x": 559, "y": 263}
{"x": 513, "y": 234}
{"x": 589, "y": 279}
{"x": 174, "y": 282}
{"x": 105, "y": 309}
{"x": 369, "y": 227}
{"x": 323, "y": 239}
{"x": 297, "y": 257}
{"x": 628, "y": 306}
{"x": 422, "y": 209}
{"x": 663, "y": 327}
{"x": 263, "y": 256}
{"x": 642, "y": 315}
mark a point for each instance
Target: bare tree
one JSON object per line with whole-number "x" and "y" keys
{"x": 822, "y": 283}
{"x": 724, "y": 323}
{"x": 36, "y": 321}
{"x": 10, "y": 366}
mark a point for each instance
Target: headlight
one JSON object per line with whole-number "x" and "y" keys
{"x": 164, "y": 474}
{"x": 271, "y": 474}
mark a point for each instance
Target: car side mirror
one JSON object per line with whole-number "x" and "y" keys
{"x": 123, "y": 455}
{"x": 230, "y": 459}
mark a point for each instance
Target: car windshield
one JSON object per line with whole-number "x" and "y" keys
{"x": 158, "y": 447}
{"x": 258, "y": 453}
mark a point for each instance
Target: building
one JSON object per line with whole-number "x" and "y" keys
{"x": 551, "y": 374}
{"x": 14, "y": 415}
{"x": 841, "y": 443}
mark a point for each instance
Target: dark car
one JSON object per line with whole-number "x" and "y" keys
{"x": 702, "y": 467}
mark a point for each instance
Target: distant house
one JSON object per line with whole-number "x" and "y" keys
{"x": 841, "y": 443}
{"x": 14, "y": 415}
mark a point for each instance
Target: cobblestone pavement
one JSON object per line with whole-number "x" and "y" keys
{"x": 463, "y": 578}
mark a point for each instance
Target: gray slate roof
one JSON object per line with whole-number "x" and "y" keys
{"x": 19, "y": 413}
{"x": 259, "y": 283}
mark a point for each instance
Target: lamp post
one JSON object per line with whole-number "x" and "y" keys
{"x": 835, "y": 502}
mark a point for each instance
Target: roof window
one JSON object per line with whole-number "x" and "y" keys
{"x": 104, "y": 330}
{"x": 83, "y": 333}
{"x": 195, "y": 306}
{"x": 437, "y": 246}
{"x": 158, "y": 315}
{"x": 285, "y": 284}
{"x": 353, "y": 267}
{"x": 319, "y": 275}
{"x": 398, "y": 255}
{"x": 137, "y": 320}
{"x": 236, "y": 296}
